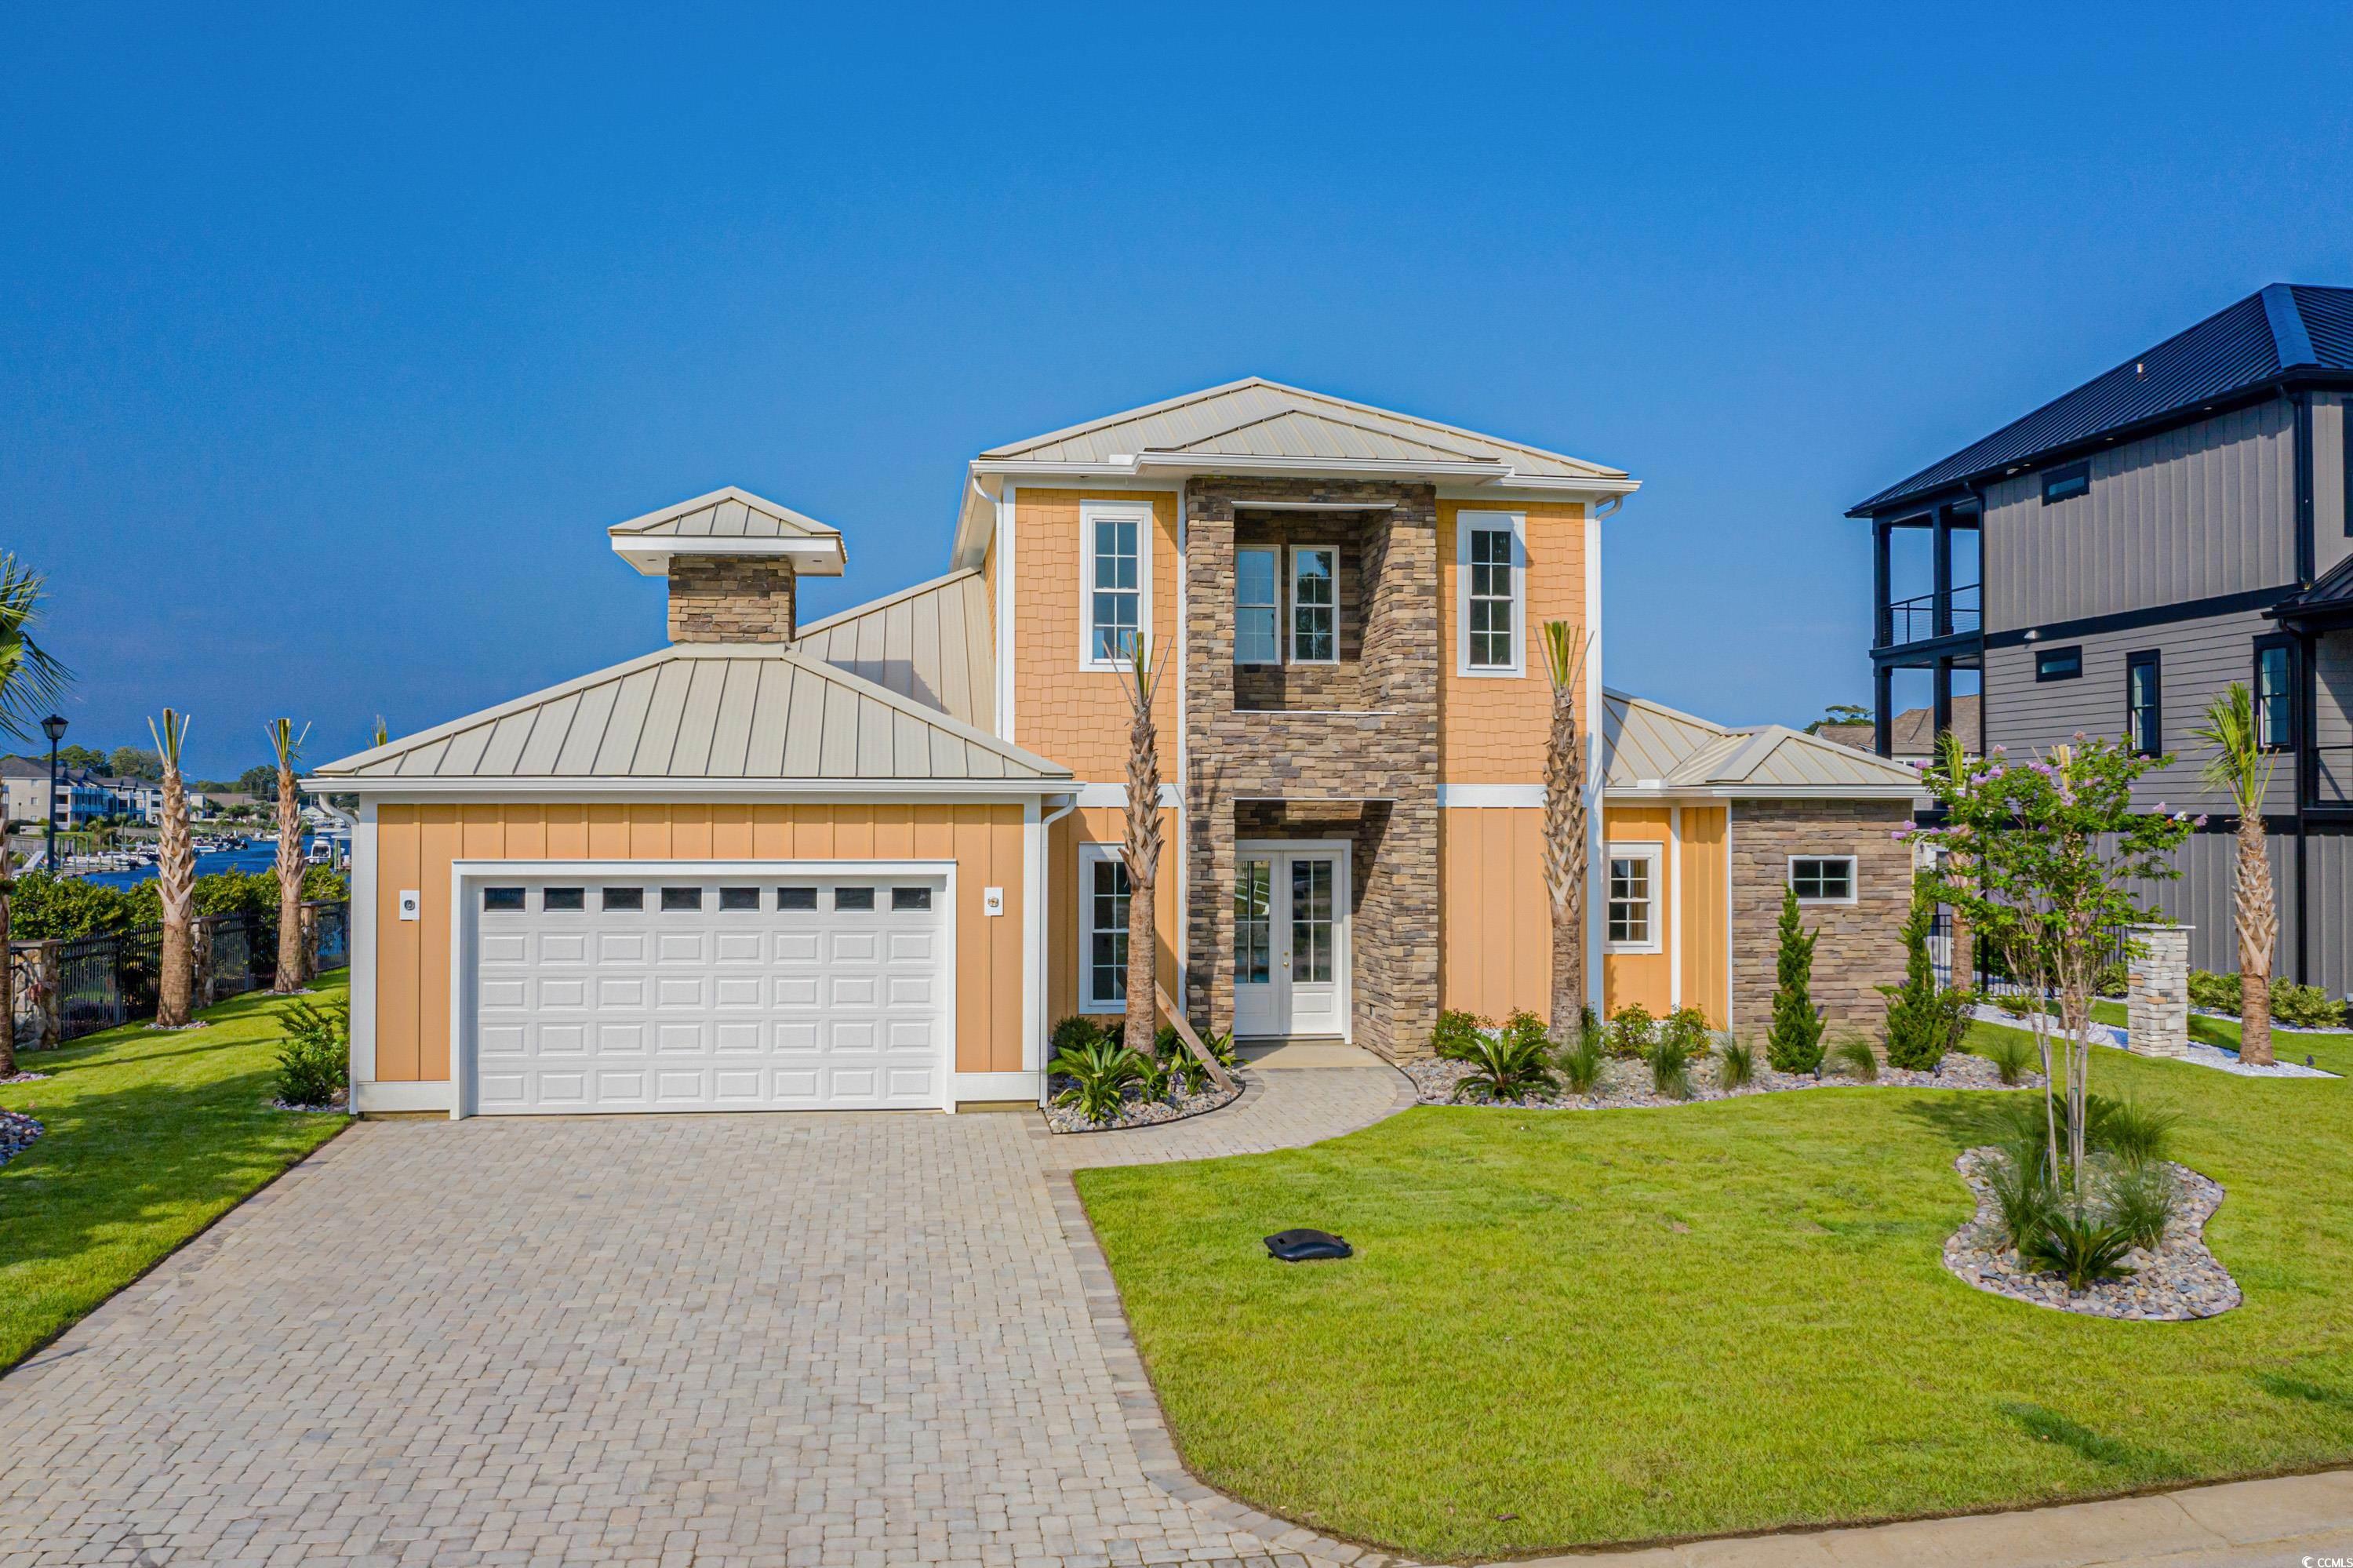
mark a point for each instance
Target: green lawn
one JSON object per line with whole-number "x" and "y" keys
{"x": 1581, "y": 1327}
{"x": 151, "y": 1138}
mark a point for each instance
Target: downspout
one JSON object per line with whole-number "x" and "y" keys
{"x": 1045, "y": 947}
{"x": 2305, "y": 758}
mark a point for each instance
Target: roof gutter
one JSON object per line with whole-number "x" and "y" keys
{"x": 653, "y": 787}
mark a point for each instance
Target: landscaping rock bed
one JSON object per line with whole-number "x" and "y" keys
{"x": 17, "y": 1131}
{"x": 2181, "y": 1282}
{"x": 1141, "y": 1112}
{"x": 335, "y": 1103}
{"x": 2200, "y": 1054}
{"x": 27, "y": 1078}
{"x": 1626, "y": 1083}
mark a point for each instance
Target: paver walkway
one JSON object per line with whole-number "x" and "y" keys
{"x": 854, "y": 1339}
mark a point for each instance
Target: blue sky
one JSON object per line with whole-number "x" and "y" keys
{"x": 331, "y": 339}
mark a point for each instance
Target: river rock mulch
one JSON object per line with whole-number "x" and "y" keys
{"x": 25, "y": 1078}
{"x": 2180, "y": 1282}
{"x": 17, "y": 1131}
{"x": 335, "y": 1103}
{"x": 1626, "y": 1083}
{"x": 1139, "y": 1111}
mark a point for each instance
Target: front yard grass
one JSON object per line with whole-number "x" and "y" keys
{"x": 1571, "y": 1327}
{"x": 149, "y": 1139}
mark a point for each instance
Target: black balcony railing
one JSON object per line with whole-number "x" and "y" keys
{"x": 1914, "y": 619}
{"x": 2332, "y": 776}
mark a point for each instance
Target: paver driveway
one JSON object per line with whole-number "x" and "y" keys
{"x": 853, "y": 1339}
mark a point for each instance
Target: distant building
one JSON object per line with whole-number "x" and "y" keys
{"x": 1912, "y": 733}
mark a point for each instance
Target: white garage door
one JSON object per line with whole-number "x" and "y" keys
{"x": 726, "y": 992}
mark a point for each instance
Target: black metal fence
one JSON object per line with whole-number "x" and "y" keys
{"x": 64, "y": 989}
{"x": 1990, "y": 973}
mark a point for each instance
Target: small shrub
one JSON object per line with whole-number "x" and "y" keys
{"x": 1166, "y": 1043}
{"x": 2306, "y": 1006}
{"x": 1671, "y": 1057}
{"x": 314, "y": 1058}
{"x": 2079, "y": 1246}
{"x": 1221, "y": 1046}
{"x": 2141, "y": 1200}
{"x": 2114, "y": 980}
{"x": 2133, "y": 1132}
{"x": 1919, "y": 1016}
{"x": 2211, "y": 992}
{"x": 1527, "y": 1027}
{"x": 1857, "y": 1059}
{"x": 1735, "y": 1065}
{"x": 2012, "y": 1056}
{"x": 1630, "y": 1031}
{"x": 1154, "y": 1075}
{"x": 1688, "y": 1025}
{"x": 1099, "y": 1074}
{"x": 1580, "y": 1065}
{"x": 2021, "y": 1184}
{"x": 1794, "y": 1044}
{"x": 1456, "y": 1034}
{"x": 1074, "y": 1034}
{"x": 1506, "y": 1069}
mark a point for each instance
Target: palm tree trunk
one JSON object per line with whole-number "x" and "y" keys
{"x": 1566, "y": 834}
{"x": 7, "y": 972}
{"x": 290, "y": 977}
{"x": 175, "y": 888}
{"x": 1142, "y": 852}
{"x": 2258, "y": 922}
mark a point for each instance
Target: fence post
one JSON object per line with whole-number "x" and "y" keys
{"x": 52, "y": 994}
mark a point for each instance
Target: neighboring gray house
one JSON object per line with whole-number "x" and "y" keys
{"x": 2169, "y": 527}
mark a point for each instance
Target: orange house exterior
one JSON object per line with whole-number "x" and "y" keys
{"x": 868, "y": 862}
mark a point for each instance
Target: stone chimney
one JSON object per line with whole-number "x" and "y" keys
{"x": 730, "y": 598}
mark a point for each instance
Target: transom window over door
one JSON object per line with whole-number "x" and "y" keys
{"x": 1489, "y": 561}
{"x": 1315, "y": 605}
{"x": 1102, "y": 919}
{"x": 1116, "y": 541}
{"x": 1258, "y": 609}
{"x": 1633, "y": 909}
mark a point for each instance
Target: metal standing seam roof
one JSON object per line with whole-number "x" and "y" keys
{"x": 1646, "y": 745}
{"x": 1257, "y": 418}
{"x": 2237, "y": 350}
{"x": 931, "y": 643}
{"x": 728, "y": 514}
{"x": 716, "y": 711}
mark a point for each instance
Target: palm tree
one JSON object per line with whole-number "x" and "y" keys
{"x": 1141, "y": 849}
{"x": 288, "y": 748}
{"x": 29, "y": 681}
{"x": 1567, "y": 816}
{"x": 2242, "y": 769}
{"x": 175, "y": 880}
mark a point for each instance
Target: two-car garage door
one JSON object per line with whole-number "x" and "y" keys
{"x": 602, "y": 992}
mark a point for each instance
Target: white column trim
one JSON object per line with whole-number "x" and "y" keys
{"x": 1033, "y": 937}
{"x": 1596, "y": 909}
{"x": 1005, "y": 639}
{"x": 1675, "y": 908}
{"x": 364, "y": 943}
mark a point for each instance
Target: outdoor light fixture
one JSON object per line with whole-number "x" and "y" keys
{"x": 1304, "y": 1247}
{"x": 54, "y": 726}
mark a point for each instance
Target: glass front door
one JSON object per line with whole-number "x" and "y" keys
{"x": 1290, "y": 952}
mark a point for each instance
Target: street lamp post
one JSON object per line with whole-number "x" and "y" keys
{"x": 54, "y": 726}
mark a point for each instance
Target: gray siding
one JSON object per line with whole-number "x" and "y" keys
{"x": 2201, "y": 899}
{"x": 2329, "y": 522}
{"x": 2198, "y": 660}
{"x": 2187, "y": 514}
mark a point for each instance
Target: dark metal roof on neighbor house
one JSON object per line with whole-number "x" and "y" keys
{"x": 2264, "y": 339}
{"x": 2327, "y": 603}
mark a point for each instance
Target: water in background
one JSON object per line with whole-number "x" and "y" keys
{"x": 259, "y": 855}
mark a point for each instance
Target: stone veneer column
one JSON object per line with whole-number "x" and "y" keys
{"x": 2157, "y": 997}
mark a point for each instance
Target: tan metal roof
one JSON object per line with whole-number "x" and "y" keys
{"x": 728, "y": 514}
{"x": 705, "y": 711}
{"x": 931, "y": 643}
{"x": 1648, "y": 745}
{"x": 1257, "y": 417}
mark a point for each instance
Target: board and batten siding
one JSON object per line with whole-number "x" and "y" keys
{"x": 1107, "y": 826}
{"x": 415, "y": 845}
{"x": 2197, "y": 661}
{"x": 2187, "y": 514}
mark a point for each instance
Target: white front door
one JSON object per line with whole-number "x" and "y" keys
{"x": 1291, "y": 940}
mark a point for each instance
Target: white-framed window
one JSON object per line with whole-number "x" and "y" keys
{"x": 1822, "y": 878}
{"x": 1314, "y": 604}
{"x": 1102, "y": 928}
{"x": 1491, "y": 561}
{"x": 1632, "y": 916}
{"x": 1258, "y": 608}
{"x": 1114, "y": 580}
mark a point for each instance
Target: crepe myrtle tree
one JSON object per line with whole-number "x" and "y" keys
{"x": 2050, "y": 845}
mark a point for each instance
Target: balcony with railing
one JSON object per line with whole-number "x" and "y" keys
{"x": 1918, "y": 619}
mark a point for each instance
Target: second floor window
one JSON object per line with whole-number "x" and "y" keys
{"x": 1116, "y": 539}
{"x": 1488, "y": 562}
{"x": 2275, "y": 696}
{"x": 1314, "y": 606}
{"x": 1258, "y": 610}
{"x": 2144, "y": 726}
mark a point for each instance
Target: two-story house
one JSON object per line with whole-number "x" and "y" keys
{"x": 2169, "y": 527}
{"x": 869, "y": 861}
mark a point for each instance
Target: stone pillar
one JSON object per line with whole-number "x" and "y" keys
{"x": 52, "y": 994}
{"x": 2157, "y": 999}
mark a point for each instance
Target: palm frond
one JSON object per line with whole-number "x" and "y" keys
{"x": 29, "y": 679}
{"x": 2240, "y": 768}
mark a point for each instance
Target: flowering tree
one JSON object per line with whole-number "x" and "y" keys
{"x": 2048, "y": 845}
